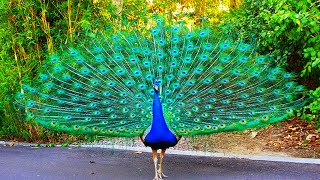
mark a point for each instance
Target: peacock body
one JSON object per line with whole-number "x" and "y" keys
{"x": 169, "y": 83}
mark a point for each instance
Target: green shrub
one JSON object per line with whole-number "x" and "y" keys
{"x": 290, "y": 31}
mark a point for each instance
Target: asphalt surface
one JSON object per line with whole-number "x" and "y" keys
{"x": 21, "y": 162}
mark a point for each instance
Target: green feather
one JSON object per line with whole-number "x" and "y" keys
{"x": 209, "y": 83}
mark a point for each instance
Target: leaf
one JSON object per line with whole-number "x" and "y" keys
{"x": 254, "y": 134}
{"x": 137, "y": 152}
{"x": 35, "y": 147}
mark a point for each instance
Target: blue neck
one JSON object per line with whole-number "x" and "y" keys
{"x": 158, "y": 122}
{"x": 159, "y": 136}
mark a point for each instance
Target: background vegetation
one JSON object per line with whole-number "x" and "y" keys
{"x": 30, "y": 30}
{"x": 290, "y": 31}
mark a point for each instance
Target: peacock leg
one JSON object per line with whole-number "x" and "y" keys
{"x": 160, "y": 173}
{"x": 155, "y": 160}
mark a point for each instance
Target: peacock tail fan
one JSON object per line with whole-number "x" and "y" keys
{"x": 208, "y": 82}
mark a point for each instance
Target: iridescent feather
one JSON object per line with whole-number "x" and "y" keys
{"x": 208, "y": 84}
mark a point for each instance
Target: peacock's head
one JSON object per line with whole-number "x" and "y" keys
{"x": 156, "y": 86}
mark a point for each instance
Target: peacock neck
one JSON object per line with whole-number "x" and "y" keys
{"x": 159, "y": 136}
{"x": 158, "y": 121}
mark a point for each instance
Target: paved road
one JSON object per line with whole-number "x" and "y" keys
{"x": 95, "y": 163}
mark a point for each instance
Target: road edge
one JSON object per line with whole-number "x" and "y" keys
{"x": 181, "y": 152}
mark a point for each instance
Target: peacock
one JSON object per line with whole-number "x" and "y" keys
{"x": 168, "y": 82}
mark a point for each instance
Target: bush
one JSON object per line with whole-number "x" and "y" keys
{"x": 288, "y": 30}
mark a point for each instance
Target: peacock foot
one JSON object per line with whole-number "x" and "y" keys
{"x": 161, "y": 175}
{"x": 157, "y": 178}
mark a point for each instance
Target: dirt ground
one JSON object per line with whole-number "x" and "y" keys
{"x": 292, "y": 138}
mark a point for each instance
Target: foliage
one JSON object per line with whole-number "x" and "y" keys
{"x": 289, "y": 30}
{"x": 311, "y": 111}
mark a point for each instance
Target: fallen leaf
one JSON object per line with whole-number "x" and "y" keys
{"x": 312, "y": 137}
{"x": 137, "y": 152}
{"x": 254, "y": 134}
{"x": 13, "y": 143}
